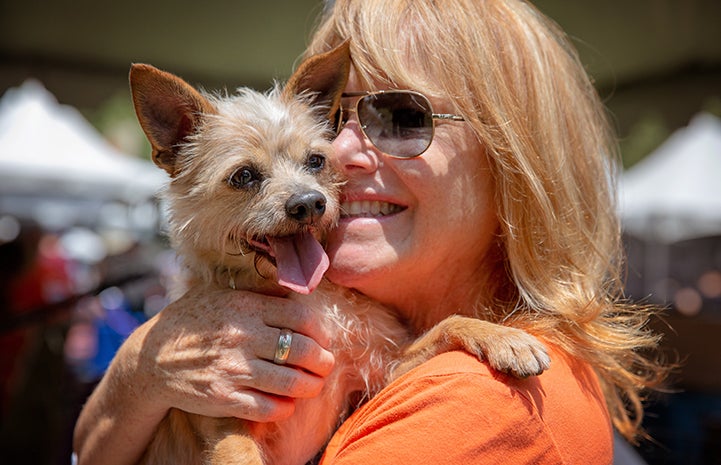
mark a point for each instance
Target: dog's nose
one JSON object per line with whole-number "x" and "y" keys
{"x": 306, "y": 207}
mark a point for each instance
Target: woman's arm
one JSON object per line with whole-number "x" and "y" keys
{"x": 119, "y": 418}
{"x": 209, "y": 353}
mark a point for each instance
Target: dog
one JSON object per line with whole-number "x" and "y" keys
{"x": 251, "y": 196}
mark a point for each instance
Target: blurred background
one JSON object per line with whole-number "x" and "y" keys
{"x": 83, "y": 259}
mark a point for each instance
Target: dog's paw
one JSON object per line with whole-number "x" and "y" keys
{"x": 506, "y": 349}
{"x": 516, "y": 352}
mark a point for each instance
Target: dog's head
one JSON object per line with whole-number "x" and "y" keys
{"x": 251, "y": 173}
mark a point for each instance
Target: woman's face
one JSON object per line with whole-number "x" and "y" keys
{"x": 415, "y": 231}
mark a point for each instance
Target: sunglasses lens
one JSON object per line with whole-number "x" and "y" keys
{"x": 397, "y": 123}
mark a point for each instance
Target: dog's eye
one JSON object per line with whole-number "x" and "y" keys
{"x": 316, "y": 162}
{"x": 243, "y": 178}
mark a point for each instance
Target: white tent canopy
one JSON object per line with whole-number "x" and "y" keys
{"x": 675, "y": 193}
{"x": 55, "y": 167}
{"x": 48, "y": 147}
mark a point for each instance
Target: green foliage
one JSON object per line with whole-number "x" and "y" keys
{"x": 116, "y": 121}
{"x": 644, "y": 136}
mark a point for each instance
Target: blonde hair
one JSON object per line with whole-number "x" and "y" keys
{"x": 517, "y": 80}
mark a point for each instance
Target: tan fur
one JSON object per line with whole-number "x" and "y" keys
{"x": 202, "y": 142}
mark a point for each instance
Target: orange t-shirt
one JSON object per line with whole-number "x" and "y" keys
{"x": 454, "y": 409}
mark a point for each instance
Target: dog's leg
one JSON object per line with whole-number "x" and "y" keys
{"x": 186, "y": 439}
{"x": 228, "y": 442}
{"x": 175, "y": 442}
{"x": 506, "y": 349}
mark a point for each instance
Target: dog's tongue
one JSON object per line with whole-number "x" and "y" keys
{"x": 301, "y": 261}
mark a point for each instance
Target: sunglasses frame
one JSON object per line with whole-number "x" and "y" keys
{"x": 364, "y": 94}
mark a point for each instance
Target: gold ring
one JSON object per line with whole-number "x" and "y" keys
{"x": 282, "y": 350}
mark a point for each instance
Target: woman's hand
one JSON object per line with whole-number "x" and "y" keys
{"x": 211, "y": 353}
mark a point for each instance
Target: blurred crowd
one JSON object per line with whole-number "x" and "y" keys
{"x": 67, "y": 301}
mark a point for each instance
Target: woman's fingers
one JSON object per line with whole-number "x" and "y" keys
{"x": 310, "y": 336}
{"x": 285, "y": 381}
{"x": 260, "y": 391}
{"x": 246, "y": 404}
{"x": 259, "y": 406}
{"x": 285, "y": 313}
{"x": 305, "y": 353}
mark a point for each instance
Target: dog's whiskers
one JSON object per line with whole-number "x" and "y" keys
{"x": 231, "y": 279}
{"x": 241, "y": 245}
{"x": 240, "y": 253}
{"x": 257, "y": 260}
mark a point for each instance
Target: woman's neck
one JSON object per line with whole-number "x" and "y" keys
{"x": 421, "y": 306}
{"x": 429, "y": 300}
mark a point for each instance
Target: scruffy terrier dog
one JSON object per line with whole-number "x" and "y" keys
{"x": 251, "y": 195}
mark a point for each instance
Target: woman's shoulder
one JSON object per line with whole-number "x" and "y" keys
{"x": 569, "y": 380}
{"x": 456, "y": 409}
{"x": 567, "y": 385}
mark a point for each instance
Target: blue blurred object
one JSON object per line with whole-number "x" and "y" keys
{"x": 116, "y": 324}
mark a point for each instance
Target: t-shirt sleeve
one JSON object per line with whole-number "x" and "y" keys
{"x": 447, "y": 416}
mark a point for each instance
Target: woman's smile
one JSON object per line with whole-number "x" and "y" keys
{"x": 368, "y": 208}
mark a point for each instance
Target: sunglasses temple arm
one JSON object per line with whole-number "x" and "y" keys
{"x": 447, "y": 116}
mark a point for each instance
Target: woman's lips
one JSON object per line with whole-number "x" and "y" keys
{"x": 369, "y": 209}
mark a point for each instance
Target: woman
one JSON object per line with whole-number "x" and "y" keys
{"x": 506, "y": 215}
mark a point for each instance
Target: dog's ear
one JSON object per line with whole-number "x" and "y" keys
{"x": 168, "y": 108}
{"x": 324, "y": 75}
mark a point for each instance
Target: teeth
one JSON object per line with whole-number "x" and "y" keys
{"x": 368, "y": 208}
{"x": 375, "y": 208}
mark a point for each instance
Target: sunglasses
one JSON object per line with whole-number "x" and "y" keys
{"x": 399, "y": 123}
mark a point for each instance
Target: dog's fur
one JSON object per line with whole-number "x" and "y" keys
{"x": 249, "y": 171}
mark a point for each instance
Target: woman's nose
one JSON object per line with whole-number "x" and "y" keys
{"x": 353, "y": 151}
